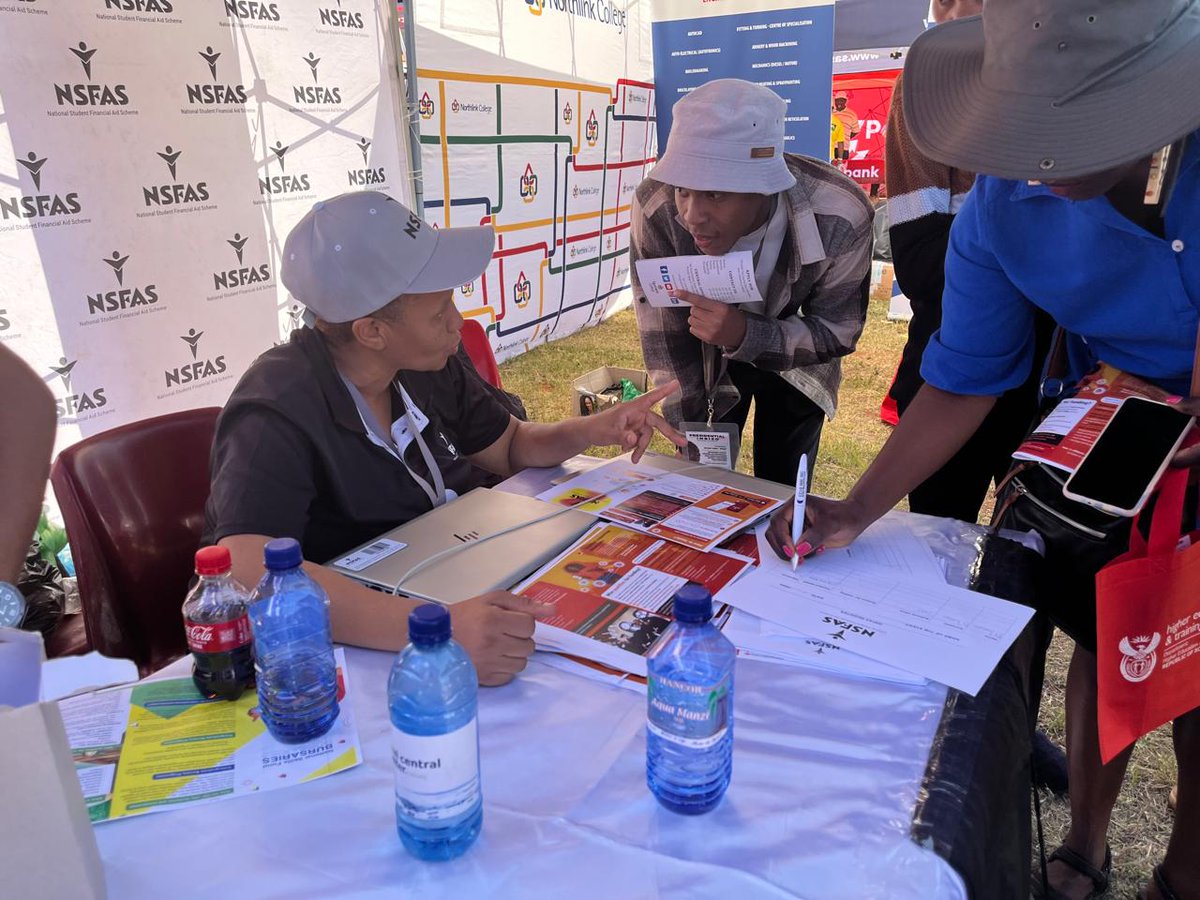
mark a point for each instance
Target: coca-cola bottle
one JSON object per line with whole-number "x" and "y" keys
{"x": 218, "y": 629}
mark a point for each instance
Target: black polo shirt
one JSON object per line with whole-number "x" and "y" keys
{"x": 291, "y": 457}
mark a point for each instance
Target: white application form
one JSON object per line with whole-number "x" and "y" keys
{"x": 919, "y": 624}
{"x": 727, "y": 279}
{"x": 759, "y": 639}
{"x": 888, "y": 545}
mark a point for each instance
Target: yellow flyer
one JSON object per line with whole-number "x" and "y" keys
{"x": 161, "y": 744}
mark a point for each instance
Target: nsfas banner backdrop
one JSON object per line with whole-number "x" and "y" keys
{"x": 153, "y": 156}
{"x": 537, "y": 117}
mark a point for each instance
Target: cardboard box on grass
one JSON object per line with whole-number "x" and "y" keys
{"x": 589, "y": 389}
{"x": 47, "y": 848}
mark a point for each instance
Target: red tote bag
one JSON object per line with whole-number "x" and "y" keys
{"x": 1148, "y": 626}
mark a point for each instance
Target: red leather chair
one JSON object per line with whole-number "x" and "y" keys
{"x": 479, "y": 348}
{"x": 132, "y": 501}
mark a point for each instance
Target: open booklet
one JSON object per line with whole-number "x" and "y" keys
{"x": 1066, "y": 435}
{"x": 612, "y": 593}
{"x": 689, "y": 511}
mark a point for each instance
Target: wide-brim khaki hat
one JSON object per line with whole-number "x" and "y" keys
{"x": 1055, "y": 89}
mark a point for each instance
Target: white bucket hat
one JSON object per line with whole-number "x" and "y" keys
{"x": 727, "y": 135}
{"x": 1055, "y": 89}
{"x": 355, "y": 253}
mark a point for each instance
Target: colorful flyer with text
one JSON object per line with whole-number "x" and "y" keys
{"x": 1065, "y": 436}
{"x": 689, "y": 511}
{"x": 614, "y": 587}
{"x": 161, "y": 744}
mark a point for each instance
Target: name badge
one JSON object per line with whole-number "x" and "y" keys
{"x": 400, "y": 431}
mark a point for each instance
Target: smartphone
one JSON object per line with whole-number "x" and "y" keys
{"x": 1130, "y": 455}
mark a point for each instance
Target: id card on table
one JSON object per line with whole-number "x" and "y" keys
{"x": 716, "y": 445}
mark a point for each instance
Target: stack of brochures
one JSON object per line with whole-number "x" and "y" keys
{"x": 612, "y": 593}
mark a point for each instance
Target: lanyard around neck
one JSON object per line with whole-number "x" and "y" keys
{"x": 436, "y": 492}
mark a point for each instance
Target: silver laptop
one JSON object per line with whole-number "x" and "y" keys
{"x": 423, "y": 559}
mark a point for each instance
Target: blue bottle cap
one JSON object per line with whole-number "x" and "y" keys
{"x": 429, "y": 624}
{"x": 693, "y": 603}
{"x": 282, "y": 553}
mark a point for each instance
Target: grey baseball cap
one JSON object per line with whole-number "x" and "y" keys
{"x": 357, "y": 252}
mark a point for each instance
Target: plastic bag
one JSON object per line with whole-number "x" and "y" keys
{"x": 45, "y": 599}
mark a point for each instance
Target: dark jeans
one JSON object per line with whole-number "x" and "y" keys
{"x": 786, "y": 423}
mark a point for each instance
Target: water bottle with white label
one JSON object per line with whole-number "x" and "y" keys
{"x": 435, "y": 739}
{"x": 689, "y": 724}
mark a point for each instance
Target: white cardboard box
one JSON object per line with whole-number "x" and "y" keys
{"x": 47, "y": 848}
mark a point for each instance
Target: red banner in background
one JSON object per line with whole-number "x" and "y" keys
{"x": 863, "y": 114}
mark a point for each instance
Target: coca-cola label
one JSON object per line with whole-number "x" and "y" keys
{"x": 217, "y": 637}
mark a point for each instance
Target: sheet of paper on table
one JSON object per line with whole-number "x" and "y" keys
{"x": 726, "y": 279}
{"x": 914, "y": 622}
{"x": 887, "y": 546}
{"x": 612, "y": 592}
{"x": 159, "y": 745}
{"x": 688, "y": 511}
{"x": 533, "y": 481}
{"x": 759, "y": 639}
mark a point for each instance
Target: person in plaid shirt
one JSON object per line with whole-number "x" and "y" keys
{"x": 724, "y": 184}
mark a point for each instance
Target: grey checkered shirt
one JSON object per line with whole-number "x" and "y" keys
{"x": 816, "y": 300}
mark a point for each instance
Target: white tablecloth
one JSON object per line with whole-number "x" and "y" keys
{"x": 826, "y": 772}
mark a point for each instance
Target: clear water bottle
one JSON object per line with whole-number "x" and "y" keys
{"x": 218, "y": 631}
{"x": 435, "y": 739}
{"x": 293, "y": 650}
{"x": 689, "y": 725}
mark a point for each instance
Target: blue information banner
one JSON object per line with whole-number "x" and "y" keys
{"x": 786, "y": 45}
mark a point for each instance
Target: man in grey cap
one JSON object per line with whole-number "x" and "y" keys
{"x": 368, "y": 418}
{"x": 1083, "y": 117}
{"x": 725, "y": 184}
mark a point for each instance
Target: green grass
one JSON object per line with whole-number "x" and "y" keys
{"x": 1141, "y": 821}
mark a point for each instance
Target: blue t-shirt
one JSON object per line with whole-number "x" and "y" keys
{"x": 1133, "y": 297}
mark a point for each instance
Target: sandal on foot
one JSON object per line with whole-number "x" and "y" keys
{"x": 1081, "y": 864}
{"x": 1160, "y": 882}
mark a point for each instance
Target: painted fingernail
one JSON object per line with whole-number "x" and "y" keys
{"x": 1174, "y": 399}
{"x": 804, "y": 548}
{"x": 821, "y": 549}
{"x": 788, "y": 552}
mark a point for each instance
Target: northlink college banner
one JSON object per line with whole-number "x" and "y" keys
{"x": 537, "y": 117}
{"x": 153, "y": 156}
{"x": 786, "y": 45}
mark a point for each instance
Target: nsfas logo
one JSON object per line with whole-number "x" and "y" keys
{"x": 69, "y": 93}
{"x": 296, "y": 183}
{"x": 150, "y": 6}
{"x": 38, "y": 205}
{"x": 242, "y": 275}
{"x": 72, "y": 400}
{"x": 217, "y": 93}
{"x": 315, "y": 93}
{"x": 847, "y": 626}
{"x": 197, "y": 370}
{"x": 339, "y": 18}
{"x": 122, "y": 297}
{"x": 365, "y": 176}
{"x": 176, "y": 193}
{"x": 252, "y": 10}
